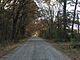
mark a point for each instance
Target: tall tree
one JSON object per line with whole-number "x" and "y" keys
{"x": 78, "y": 22}
{"x": 74, "y": 18}
{"x": 64, "y": 19}
{"x": 16, "y": 16}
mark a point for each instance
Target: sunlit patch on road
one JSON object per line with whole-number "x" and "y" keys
{"x": 35, "y": 34}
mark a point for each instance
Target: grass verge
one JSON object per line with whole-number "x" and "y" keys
{"x": 64, "y": 47}
{"x": 9, "y": 47}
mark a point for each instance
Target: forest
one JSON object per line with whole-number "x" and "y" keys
{"x": 13, "y": 19}
{"x": 60, "y": 20}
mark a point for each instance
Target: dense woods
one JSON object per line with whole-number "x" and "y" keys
{"x": 61, "y": 26}
{"x": 16, "y": 17}
{"x": 53, "y": 20}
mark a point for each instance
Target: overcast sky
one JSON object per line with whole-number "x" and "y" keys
{"x": 43, "y": 5}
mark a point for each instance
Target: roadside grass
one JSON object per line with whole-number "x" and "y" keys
{"x": 65, "y": 47}
{"x": 10, "y": 47}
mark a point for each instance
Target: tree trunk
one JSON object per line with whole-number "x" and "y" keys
{"x": 15, "y": 18}
{"x": 64, "y": 19}
{"x": 78, "y": 22}
{"x": 74, "y": 18}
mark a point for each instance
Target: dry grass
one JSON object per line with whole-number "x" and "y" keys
{"x": 6, "y": 49}
{"x": 74, "y": 54}
{"x": 9, "y": 47}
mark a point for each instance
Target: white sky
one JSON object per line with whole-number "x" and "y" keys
{"x": 43, "y": 5}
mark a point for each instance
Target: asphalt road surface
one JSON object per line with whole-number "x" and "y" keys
{"x": 35, "y": 49}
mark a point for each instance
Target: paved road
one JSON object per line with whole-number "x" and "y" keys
{"x": 35, "y": 49}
